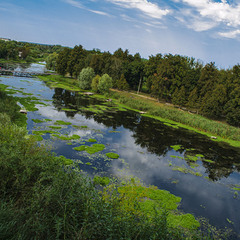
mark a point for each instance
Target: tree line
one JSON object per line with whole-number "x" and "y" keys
{"x": 14, "y": 50}
{"x": 181, "y": 80}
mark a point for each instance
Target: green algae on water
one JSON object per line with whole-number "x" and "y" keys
{"x": 112, "y": 155}
{"x": 91, "y": 150}
{"x": 37, "y": 120}
{"x": 55, "y": 127}
{"x": 68, "y": 138}
{"x": 176, "y": 147}
{"x": 60, "y": 122}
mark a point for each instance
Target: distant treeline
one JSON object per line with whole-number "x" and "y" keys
{"x": 180, "y": 80}
{"x": 13, "y": 50}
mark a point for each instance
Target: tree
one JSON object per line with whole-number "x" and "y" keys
{"x": 193, "y": 99}
{"x": 62, "y": 61}
{"x": 122, "y": 83}
{"x": 105, "y": 83}
{"x": 85, "y": 78}
{"x": 213, "y": 102}
{"x": 95, "y": 82}
{"x": 51, "y": 61}
{"x": 179, "y": 96}
{"x": 232, "y": 108}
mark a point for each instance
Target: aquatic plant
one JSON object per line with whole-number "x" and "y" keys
{"x": 60, "y": 122}
{"x": 112, "y": 155}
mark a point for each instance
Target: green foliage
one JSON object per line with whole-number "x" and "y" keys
{"x": 179, "y": 96}
{"x": 95, "y": 82}
{"x": 105, "y": 83}
{"x": 85, "y": 78}
{"x": 51, "y": 61}
{"x": 122, "y": 84}
{"x": 9, "y": 106}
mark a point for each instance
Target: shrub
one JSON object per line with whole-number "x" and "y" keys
{"x": 85, "y": 78}
{"x": 105, "y": 83}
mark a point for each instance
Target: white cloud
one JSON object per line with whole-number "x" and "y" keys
{"x": 149, "y": 9}
{"x": 231, "y": 34}
{"x": 221, "y": 12}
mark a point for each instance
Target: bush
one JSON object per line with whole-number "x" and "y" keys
{"x": 94, "y": 84}
{"x": 85, "y": 78}
{"x": 105, "y": 83}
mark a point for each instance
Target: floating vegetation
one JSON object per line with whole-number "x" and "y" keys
{"x": 80, "y": 148}
{"x": 185, "y": 170}
{"x": 42, "y": 132}
{"x": 47, "y": 120}
{"x": 37, "y": 120}
{"x": 176, "y": 147}
{"x": 67, "y": 138}
{"x": 194, "y": 165}
{"x": 69, "y": 110}
{"x": 151, "y": 200}
{"x": 114, "y": 131}
{"x": 55, "y": 127}
{"x": 91, "y": 140}
{"x": 65, "y": 161}
{"x": 207, "y": 160}
{"x": 191, "y": 158}
{"x": 112, "y": 155}
{"x": 91, "y": 150}
{"x": 199, "y": 155}
{"x": 60, "y": 122}
{"x": 88, "y": 163}
{"x": 80, "y": 127}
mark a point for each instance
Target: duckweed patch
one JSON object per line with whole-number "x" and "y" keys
{"x": 37, "y": 120}
{"x": 176, "y": 147}
{"x": 151, "y": 200}
{"x": 91, "y": 149}
{"x": 185, "y": 170}
{"x": 68, "y": 138}
{"x": 69, "y": 110}
{"x": 55, "y": 127}
{"x": 112, "y": 155}
{"x": 80, "y": 148}
{"x": 80, "y": 127}
{"x": 208, "y": 160}
{"x": 42, "y": 132}
{"x": 60, "y": 122}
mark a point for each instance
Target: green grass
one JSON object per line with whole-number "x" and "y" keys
{"x": 175, "y": 117}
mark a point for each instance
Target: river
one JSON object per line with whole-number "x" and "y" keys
{"x": 204, "y": 173}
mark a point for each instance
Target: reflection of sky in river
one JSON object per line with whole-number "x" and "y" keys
{"x": 136, "y": 147}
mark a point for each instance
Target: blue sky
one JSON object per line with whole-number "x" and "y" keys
{"x": 208, "y": 30}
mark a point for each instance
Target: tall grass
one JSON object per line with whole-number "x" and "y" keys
{"x": 169, "y": 113}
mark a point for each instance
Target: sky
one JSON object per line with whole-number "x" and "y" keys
{"x": 208, "y": 30}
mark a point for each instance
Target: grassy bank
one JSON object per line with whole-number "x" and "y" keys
{"x": 47, "y": 197}
{"x": 170, "y": 115}
{"x": 176, "y": 117}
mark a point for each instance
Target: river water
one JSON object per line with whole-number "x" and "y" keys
{"x": 204, "y": 173}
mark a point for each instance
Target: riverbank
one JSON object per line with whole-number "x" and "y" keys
{"x": 215, "y": 130}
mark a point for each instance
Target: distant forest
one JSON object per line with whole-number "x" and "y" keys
{"x": 181, "y": 80}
